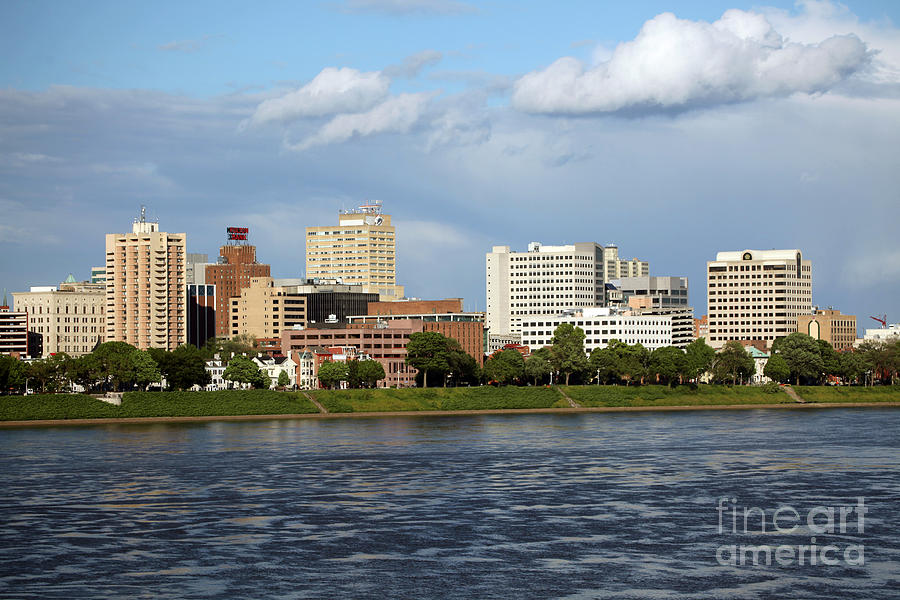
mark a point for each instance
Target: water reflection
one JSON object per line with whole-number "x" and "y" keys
{"x": 573, "y": 506}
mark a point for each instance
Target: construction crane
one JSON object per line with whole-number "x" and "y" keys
{"x": 882, "y": 319}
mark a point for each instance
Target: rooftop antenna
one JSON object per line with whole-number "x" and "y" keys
{"x": 143, "y": 214}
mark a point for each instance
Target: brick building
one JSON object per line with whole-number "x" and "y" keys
{"x": 237, "y": 266}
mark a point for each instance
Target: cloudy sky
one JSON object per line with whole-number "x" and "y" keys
{"x": 674, "y": 129}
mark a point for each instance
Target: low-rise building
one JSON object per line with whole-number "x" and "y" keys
{"x": 883, "y": 334}
{"x": 70, "y": 318}
{"x": 13, "y": 332}
{"x": 465, "y": 328}
{"x": 829, "y": 325}
{"x": 274, "y": 366}
{"x": 600, "y": 325}
{"x": 385, "y": 342}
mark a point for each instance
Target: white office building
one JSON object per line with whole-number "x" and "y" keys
{"x": 600, "y": 325}
{"x": 547, "y": 280}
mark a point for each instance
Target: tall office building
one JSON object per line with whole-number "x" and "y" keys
{"x": 359, "y": 250}
{"x": 547, "y": 280}
{"x": 757, "y": 295}
{"x": 237, "y": 266}
{"x": 145, "y": 286}
{"x": 70, "y": 318}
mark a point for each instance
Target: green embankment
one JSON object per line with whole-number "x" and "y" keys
{"x": 155, "y": 404}
{"x": 825, "y": 394}
{"x": 54, "y": 406}
{"x": 659, "y": 395}
{"x": 474, "y": 398}
{"x": 267, "y": 402}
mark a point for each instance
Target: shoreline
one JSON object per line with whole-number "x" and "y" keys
{"x": 436, "y": 413}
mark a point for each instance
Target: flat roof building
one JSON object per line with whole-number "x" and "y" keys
{"x": 757, "y": 295}
{"x": 145, "y": 287}
{"x": 830, "y": 325}
{"x": 361, "y": 250}
{"x": 547, "y": 280}
{"x": 69, "y": 319}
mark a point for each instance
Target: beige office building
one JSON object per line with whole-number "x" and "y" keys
{"x": 265, "y": 310}
{"x": 360, "y": 250}
{"x": 69, "y": 319}
{"x": 145, "y": 287}
{"x": 757, "y": 295}
{"x": 830, "y": 325}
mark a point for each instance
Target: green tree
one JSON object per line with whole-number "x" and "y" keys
{"x": 777, "y": 368}
{"x": 831, "y": 360}
{"x": 463, "y": 367}
{"x": 116, "y": 362}
{"x": 332, "y": 373}
{"x": 700, "y": 357}
{"x": 567, "y": 350}
{"x": 284, "y": 379}
{"x": 370, "y": 372}
{"x": 606, "y": 363}
{"x": 240, "y": 345}
{"x": 12, "y": 374}
{"x": 243, "y": 370}
{"x": 668, "y": 364}
{"x": 85, "y": 371}
{"x": 428, "y": 351}
{"x": 146, "y": 371}
{"x": 184, "y": 368}
{"x": 505, "y": 366}
{"x": 633, "y": 362}
{"x": 733, "y": 362}
{"x": 853, "y": 366}
{"x": 537, "y": 366}
{"x": 803, "y": 356}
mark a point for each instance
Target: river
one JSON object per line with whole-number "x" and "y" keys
{"x": 611, "y": 505}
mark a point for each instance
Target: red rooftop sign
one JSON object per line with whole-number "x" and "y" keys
{"x": 237, "y": 233}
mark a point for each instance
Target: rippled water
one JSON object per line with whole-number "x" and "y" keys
{"x": 522, "y": 506}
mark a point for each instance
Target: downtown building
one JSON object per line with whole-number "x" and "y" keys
{"x": 69, "y": 318}
{"x": 829, "y": 325}
{"x": 233, "y": 272}
{"x": 757, "y": 295}
{"x": 602, "y": 324}
{"x": 360, "y": 250}
{"x": 145, "y": 287}
{"x": 548, "y": 280}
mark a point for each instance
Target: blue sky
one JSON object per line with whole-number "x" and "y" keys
{"x": 723, "y": 126}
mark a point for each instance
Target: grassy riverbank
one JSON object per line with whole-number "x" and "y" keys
{"x": 658, "y": 395}
{"x": 266, "y": 402}
{"x": 474, "y": 398}
{"x": 155, "y": 404}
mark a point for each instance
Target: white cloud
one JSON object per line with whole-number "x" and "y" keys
{"x": 395, "y": 115}
{"x": 458, "y": 126}
{"x": 331, "y": 92}
{"x": 677, "y": 64}
{"x": 412, "y": 65}
{"x": 819, "y": 19}
{"x": 408, "y": 7}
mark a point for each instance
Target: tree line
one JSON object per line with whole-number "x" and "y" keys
{"x": 798, "y": 358}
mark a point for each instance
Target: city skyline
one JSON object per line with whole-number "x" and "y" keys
{"x": 475, "y": 130}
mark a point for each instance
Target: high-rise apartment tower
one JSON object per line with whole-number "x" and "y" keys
{"x": 145, "y": 286}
